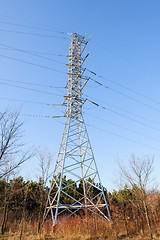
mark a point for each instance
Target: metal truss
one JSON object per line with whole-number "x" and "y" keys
{"x": 76, "y": 186}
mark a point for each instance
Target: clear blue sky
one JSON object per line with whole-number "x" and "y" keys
{"x": 124, "y": 49}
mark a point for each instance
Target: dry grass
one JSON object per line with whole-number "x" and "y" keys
{"x": 75, "y": 229}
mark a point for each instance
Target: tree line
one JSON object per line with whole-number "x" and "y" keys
{"x": 133, "y": 205}
{"x": 25, "y": 200}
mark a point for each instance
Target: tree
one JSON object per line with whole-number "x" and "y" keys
{"x": 10, "y": 143}
{"x": 138, "y": 176}
{"x": 45, "y": 160}
{"x": 124, "y": 197}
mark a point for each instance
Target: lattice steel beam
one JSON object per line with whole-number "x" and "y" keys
{"x": 75, "y": 158}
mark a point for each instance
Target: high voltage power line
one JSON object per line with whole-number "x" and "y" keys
{"x": 92, "y": 126}
{"x": 47, "y": 116}
{"x": 30, "y": 83}
{"x": 125, "y": 95}
{"x": 36, "y": 115}
{"x": 103, "y": 107}
{"x": 97, "y": 82}
{"x": 120, "y": 85}
{"x": 30, "y": 53}
{"x": 45, "y": 67}
{"x": 30, "y": 89}
{"x": 25, "y": 101}
{"x": 33, "y": 64}
{"x": 32, "y": 27}
{"x": 110, "y": 18}
{"x": 97, "y": 19}
{"x": 120, "y": 126}
{"x": 122, "y": 115}
{"x": 37, "y": 52}
{"x": 48, "y": 104}
{"x": 125, "y": 138}
{"x": 98, "y": 105}
{"x": 62, "y": 32}
{"x": 34, "y": 53}
{"x": 121, "y": 109}
{"x": 88, "y": 100}
{"x": 32, "y": 34}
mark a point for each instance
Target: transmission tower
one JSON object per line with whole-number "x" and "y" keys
{"x": 83, "y": 190}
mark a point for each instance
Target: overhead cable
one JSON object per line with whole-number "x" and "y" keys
{"x": 123, "y": 110}
{"x": 34, "y": 64}
{"x": 31, "y": 89}
{"x": 28, "y": 83}
{"x": 89, "y": 125}
{"x": 25, "y": 101}
{"x": 32, "y": 27}
{"x": 120, "y": 126}
{"x": 125, "y": 138}
{"x": 32, "y": 34}
{"x": 33, "y": 54}
{"x": 30, "y": 51}
{"x": 125, "y": 95}
{"x": 122, "y": 86}
{"x": 122, "y": 115}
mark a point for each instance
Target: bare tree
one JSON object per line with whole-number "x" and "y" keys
{"x": 11, "y": 155}
{"x": 11, "y": 142}
{"x": 45, "y": 160}
{"x": 138, "y": 176}
{"x": 26, "y": 187}
{"x": 6, "y": 194}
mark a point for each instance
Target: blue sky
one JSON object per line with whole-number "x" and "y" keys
{"x": 124, "y": 49}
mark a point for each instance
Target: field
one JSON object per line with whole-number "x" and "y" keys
{"x": 76, "y": 229}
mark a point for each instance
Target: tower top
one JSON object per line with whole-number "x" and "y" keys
{"x": 76, "y": 79}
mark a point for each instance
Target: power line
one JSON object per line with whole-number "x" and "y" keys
{"x": 97, "y": 22}
{"x": 32, "y": 27}
{"x": 117, "y": 135}
{"x": 122, "y": 115}
{"x": 111, "y": 16}
{"x": 31, "y": 89}
{"x": 114, "y": 12}
{"x": 125, "y": 95}
{"x": 61, "y": 95}
{"x": 29, "y": 83}
{"x": 90, "y": 78}
{"x": 51, "y": 93}
{"x": 40, "y": 116}
{"x": 128, "y": 129}
{"x": 33, "y": 102}
{"x": 32, "y": 34}
{"x": 33, "y": 54}
{"x": 121, "y": 109}
{"x": 34, "y": 64}
{"x": 63, "y": 72}
{"x": 120, "y": 85}
{"x": 25, "y": 101}
{"x": 36, "y": 115}
{"x": 89, "y": 125}
{"x": 42, "y": 53}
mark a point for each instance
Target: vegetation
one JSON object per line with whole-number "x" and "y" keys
{"x": 134, "y": 209}
{"x": 22, "y": 204}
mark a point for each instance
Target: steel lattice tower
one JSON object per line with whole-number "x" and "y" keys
{"x": 75, "y": 159}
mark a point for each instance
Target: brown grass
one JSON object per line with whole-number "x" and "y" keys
{"x": 75, "y": 229}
